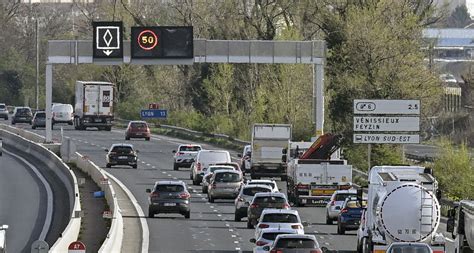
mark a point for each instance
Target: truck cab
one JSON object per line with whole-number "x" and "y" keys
{"x": 461, "y": 226}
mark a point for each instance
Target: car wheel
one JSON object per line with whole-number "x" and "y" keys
{"x": 108, "y": 165}
{"x": 204, "y": 189}
{"x": 283, "y": 178}
{"x": 151, "y": 214}
{"x": 195, "y": 182}
{"x": 109, "y": 128}
{"x": 249, "y": 224}
{"x": 191, "y": 175}
{"x": 340, "y": 229}
{"x": 175, "y": 166}
{"x": 13, "y": 122}
{"x": 127, "y": 138}
{"x": 135, "y": 166}
{"x": 187, "y": 215}
{"x": 328, "y": 220}
{"x": 211, "y": 199}
{"x": 237, "y": 217}
{"x": 147, "y": 138}
{"x": 33, "y": 127}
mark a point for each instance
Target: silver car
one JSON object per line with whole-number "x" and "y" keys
{"x": 3, "y": 111}
{"x": 335, "y": 203}
{"x": 206, "y": 179}
{"x": 267, "y": 236}
{"x": 246, "y": 194}
{"x": 291, "y": 243}
{"x": 225, "y": 184}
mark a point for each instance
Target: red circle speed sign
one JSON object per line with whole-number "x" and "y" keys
{"x": 147, "y": 40}
{"x": 76, "y": 247}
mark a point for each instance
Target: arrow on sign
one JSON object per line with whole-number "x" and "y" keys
{"x": 108, "y": 52}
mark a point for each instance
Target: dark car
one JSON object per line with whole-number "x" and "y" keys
{"x": 137, "y": 129}
{"x": 121, "y": 154}
{"x": 3, "y": 111}
{"x": 264, "y": 200}
{"x": 22, "y": 115}
{"x": 39, "y": 120}
{"x": 169, "y": 197}
{"x": 349, "y": 216}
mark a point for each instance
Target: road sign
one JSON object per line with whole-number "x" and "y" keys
{"x": 104, "y": 181}
{"x": 39, "y": 247}
{"x": 107, "y": 215}
{"x": 375, "y": 106}
{"x": 107, "y": 40}
{"x": 154, "y": 114}
{"x": 389, "y": 123}
{"x": 156, "y": 42}
{"x": 387, "y": 138}
{"x": 153, "y": 106}
{"x": 76, "y": 247}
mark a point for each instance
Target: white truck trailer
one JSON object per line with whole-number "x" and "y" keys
{"x": 402, "y": 207}
{"x": 268, "y": 143}
{"x": 94, "y": 105}
{"x": 461, "y": 225}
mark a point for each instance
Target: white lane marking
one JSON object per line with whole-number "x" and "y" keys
{"x": 153, "y": 167}
{"x": 236, "y": 241}
{"x": 148, "y": 164}
{"x": 233, "y": 235}
{"x": 212, "y": 206}
{"x": 163, "y": 172}
{"x": 175, "y": 178}
{"x": 219, "y": 215}
{"x": 237, "y": 248}
{"x": 49, "y": 193}
{"x": 86, "y": 142}
{"x": 103, "y": 148}
{"x": 199, "y": 195}
{"x": 227, "y": 225}
{"x": 142, "y": 162}
{"x": 231, "y": 230}
{"x": 203, "y": 198}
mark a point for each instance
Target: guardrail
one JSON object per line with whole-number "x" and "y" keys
{"x": 19, "y": 139}
{"x": 113, "y": 242}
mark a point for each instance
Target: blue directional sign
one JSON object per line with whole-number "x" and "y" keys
{"x": 154, "y": 114}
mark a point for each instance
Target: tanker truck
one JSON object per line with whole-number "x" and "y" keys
{"x": 402, "y": 207}
{"x": 461, "y": 225}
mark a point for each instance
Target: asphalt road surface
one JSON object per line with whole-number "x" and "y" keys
{"x": 211, "y": 227}
{"x": 22, "y": 203}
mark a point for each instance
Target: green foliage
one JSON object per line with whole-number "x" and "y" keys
{"x": 357, "y": 155}
{"x": 454, "y": 169}
{"x": 459, "y": 18}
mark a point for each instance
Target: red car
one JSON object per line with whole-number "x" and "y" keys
{"x": 137, "y": 129}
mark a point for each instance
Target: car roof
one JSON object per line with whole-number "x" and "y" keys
{"x": 137, "y": 121}
{"x": 122, "y": 145}
{"x": 269, "y": 194}
{"x": 281, "y": 230}
{"x": 40, "y": 112}
{"x": 297, "y": 236}
{"x": 213, "y": 151}
{"x": 222, "y": 166}
{"x": 22, "y": 107}
{"x": 410, "y": 243}
{"x": 227, "y": 171}
{"x": 261, "y": 181}
{"x": 257, "y": 186}
{"x": 170, "y": 182}
{"x": 189, "y": 145}
{"x": 284, "y": 211}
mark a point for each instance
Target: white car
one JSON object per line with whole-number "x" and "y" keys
{"x": 185, "y": 155}
{"x": 204, "y": 159}
{"x": 335, "y": 203}
{"x": 294, "y": 243}
{"x": 245, "y": 158}
{"x": 279, "y": 218}
{"x": 3, "y": 238}
{"x": 267, "y": 237}
{"x": 62, "y": 113}
{"x": 1, "y": 147}
{"x": 268, "y": 182}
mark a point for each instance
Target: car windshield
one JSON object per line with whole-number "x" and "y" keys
{"x": 295, "y": 243}
{"x": 214, "y": 157}
{"x": 189, "y": 148}
{"x": 2, "y": 107}
{"x": 251, "y": 191}
{"x": 41, "y": 115}
{"x": 353, "y": 204}
{"x": 138, "y": 125}
{"x": 227, "y": 177}
{"x": 271, "y": 236}
{"x": 269, "y": 199}
{"x": 122, "y": 149}
{"x": 343, "y": 196}
{"x": 271, "y": 184}
{"x": 23, "y": 110}
{"x": 280, "y": 218}
{"x": 169, "y": 188}
{"x": 62, "y": 108}
{"x": 409, "y": 249}
{"x": 212, "y": 169}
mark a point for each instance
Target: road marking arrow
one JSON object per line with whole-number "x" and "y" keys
{"x": 108, "y": 52}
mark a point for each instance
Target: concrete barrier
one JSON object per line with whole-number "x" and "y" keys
{"x": 18, "y": 139}
{"x": 113, "y": 242}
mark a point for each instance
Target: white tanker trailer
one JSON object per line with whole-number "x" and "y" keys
{"x": 402, "y": 207}
{"x": 461, "y": 225}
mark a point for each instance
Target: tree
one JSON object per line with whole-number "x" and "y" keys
{"x": 459, "y": 18}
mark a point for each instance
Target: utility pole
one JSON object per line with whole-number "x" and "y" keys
{"x": 37, "y": 61}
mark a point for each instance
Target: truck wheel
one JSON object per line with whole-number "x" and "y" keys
{"x": 109, "y": 128}
{"x": 283, "y": 178}
{"x": 340, "y": 229}
{"x": 211, "y": 199}
{"x": 195, "y": 182}
{"x": 237, "y": 217}
{"x": 151, "y": 214}
{"x": 328, "y": 220}
{"x": 108, "y": 165}
{"x": 367, "y": 246}
{"x": 127, "y": 138}
{"x": 249, "y": 224}
{"x": 175, "y": 166}
{"x": 204, "y": 189}
{"x": 298, "y": 203}
{"x": 187, "y": 215}
{"x": 147, "y": 139}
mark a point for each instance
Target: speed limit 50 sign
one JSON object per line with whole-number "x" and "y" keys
{"x": 155, "y": 42}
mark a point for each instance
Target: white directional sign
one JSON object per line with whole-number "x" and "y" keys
{"x": 374, "y": 106}
{"x": 389, "y": 123}
{"x": 107, "y": 40}
{"x": 387, "y": 138}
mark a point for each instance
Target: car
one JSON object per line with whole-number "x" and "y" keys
{"x": 294, "y": 243}
{"x": 62, "y": 114}
{"x": 3, "y": 111}
{"x": 267, "y": 237}
{"x": 3, "y": 238}
{"x": 39, "y": 120}
{"x": 185, "y": 155}
{"x": 225, "y": 184}
{"x": 402, "y": 247}
{"x": 246, "y": 194}
{"x": 268, "y": 182}
{"x": 169, "y": 197}
{"x": 245, "y": 158}
{"x": 350, "y": 215}
{"x": 335, "y": 202}
{"x": 264, "y": 200}
{"x": 137, "y": 129}
{"x": 206, "y": 179}
{"x": 204, "y": 159}
{"x": 121, "y": 154}
{"x": 279, "y": 218}
{"x": 1, "y": 147}
{"x": 22, "y": 115}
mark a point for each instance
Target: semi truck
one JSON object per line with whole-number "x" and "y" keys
{"x": 461, "y": 225}
{"x": 268, "y": 143}
{"x": 94, "y": 105}
{"x": 402, "y": 207}
{"x": 314, "y": 174}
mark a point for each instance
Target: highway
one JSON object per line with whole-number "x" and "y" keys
{"x": 23, "y": 199}
{"x": 211, "y": 227}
